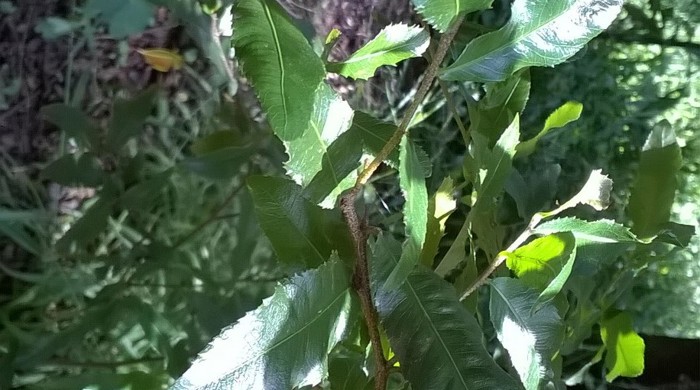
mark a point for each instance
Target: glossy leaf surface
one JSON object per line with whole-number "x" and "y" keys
{"x": 331, "y": 117}
{"x": 539, "y": 33}
{"x": 393, "y": 44}
{"x": 300, "y": 231}
{"x": 280, "y": 63}
{"x": 438, "y": 342}
{"x": 441, "y": 13}
{"x": 531, "y": 340}
{"x": 310, "y": 312}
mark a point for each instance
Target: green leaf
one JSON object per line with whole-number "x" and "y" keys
{"x": 544, "y": 264}
{"x": 496, "y": 165}
{"x": 310, "y": 312}
{"x": 532, "y": 340}
{"x": 497, "y": 109}
{"x": 440, "y": 207}
{"x": 89, "y": 226}
{"x": 53, "y": 27}
{"x": 625, "y": 349}
{"x": 69, "y": 171}
{"x": 73, "y": 122}
{"x": 438, "y": 342}
{"x": 415, "y": 215}
{"x": 124, "y": 18}
{"x": 601, "y": 231}
{"x": 219, "y": 155}
{"x": 456, "y": 254}
{"x": 300, "y": 231}
{"x": 374, "y": 134}
{"x": 676, "y": 234}
{"x": 654, "y": 188}
{"x": 128, "y": 118}
{"x": 339, "y": 162}
{"x": 567, "y": 113}
{"x": 140, "y": 197}
{"x": 332, "y": 116}
{"x": 441, "y": 13}
{"x": 280, "y": 63}
{"x": 539, "y": 33}
{"x": 345, "y": 371}
{"x": 393, "y": 44}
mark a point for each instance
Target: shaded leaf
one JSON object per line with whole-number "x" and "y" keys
{"x": 124, "y": 18}
{"x": 331, "y": 117}
{"x": 128, "y": 118}
{"x": 415, "y": 214}
{"x": 532, "y": 340}
{"x": 300, "y": 231}
{"x": 438, "y": 342}
{"x": 73, "y": 122}
{"x": 219, "y": 155}
{"x": 441, "y": 13}
{"x": 497, "y": 109}
{"x": 440, "y": 207}
{"x": 68, "y": 171}
{"x": 496, "y": 164}
{"x": 280, "y": 63}
{"x": 654, "y": 188}
{"x": 562, "y": 116}
{"x": 676, "y": 234}
{"x": 89, "y": 226}
{"x": 456, "y": 254}
{"x": 141, "y": 196}
{"x": 539, "y": 33}
{"x": 345, "y": 371}
{"x": 310, "y": 312}
{"x": 393, "y": 44}
{"x": 624, "y": 348}
{"x": 374, "y": 134}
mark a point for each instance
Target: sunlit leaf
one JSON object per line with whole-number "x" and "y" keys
{"x": 565, "y": 114}
{"x": 441, "y": 13}
{"x": 162, "y": 60}
{"x": 624, "y": 348}
{"x": 539, "y": 33}
{"x": 393, "y": 44}
{"x": 301, "y": 232}
{"x": 654, "y": 189}
{"x": 310, "y": 312}
{"x": 415, "y": 211}
{"x": 331, "y": 117}
{"x": 437, "y": 341}
{"x": 279, "y": 62}
{"x": 602, "y": 231}
{"x": 531, "y": 339}
{"x": 545, "y": 263}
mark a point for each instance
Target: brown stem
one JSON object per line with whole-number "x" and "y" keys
{"x": 358, "y": 232}
{"x": 361, "y": 284}
{"x": 430, "y": 74}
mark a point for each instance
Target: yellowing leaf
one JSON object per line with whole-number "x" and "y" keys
{"x": 162, "y": 60}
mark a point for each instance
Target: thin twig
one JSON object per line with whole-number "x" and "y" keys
{"x": 361, "y": 281}
{"x": 481, "y": 280}
{"x": 427, "y": 82}
{"x": 212, "y": 217}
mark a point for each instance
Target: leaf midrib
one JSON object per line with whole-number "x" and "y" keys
{"x": 278, "y": 50}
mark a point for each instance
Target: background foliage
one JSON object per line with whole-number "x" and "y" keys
{"x": 124, "y": 289}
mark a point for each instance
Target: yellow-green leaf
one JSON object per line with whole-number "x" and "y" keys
{"x": 625, "y": 349}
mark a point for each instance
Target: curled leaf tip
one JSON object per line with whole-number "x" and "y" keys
{"x": 596, "y": 191}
